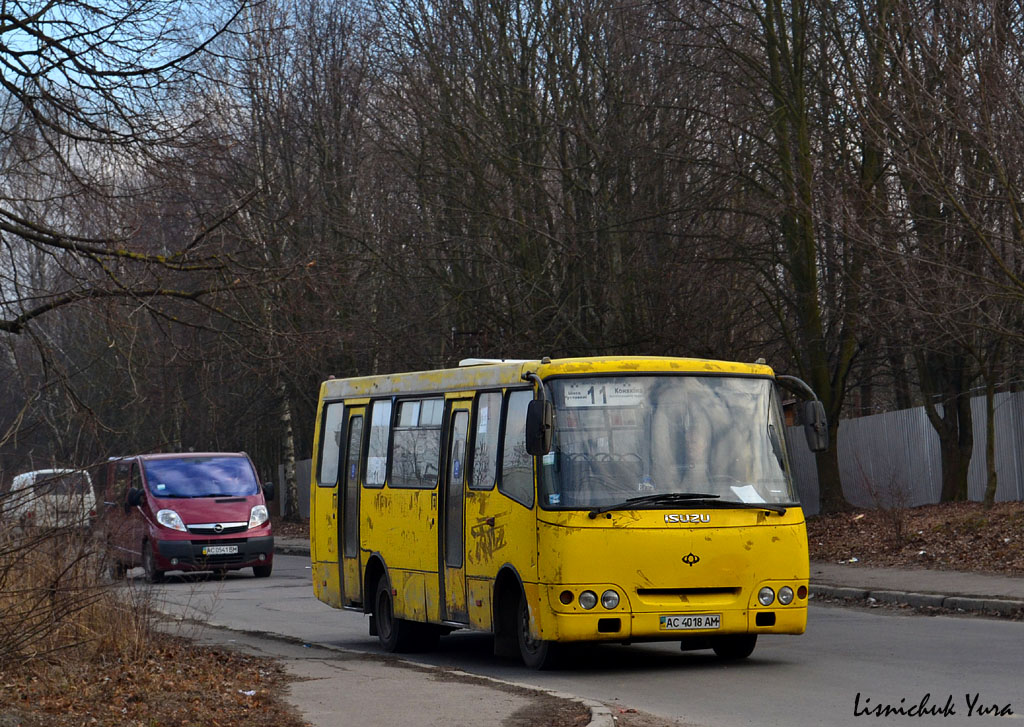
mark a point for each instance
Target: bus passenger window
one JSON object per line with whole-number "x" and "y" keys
{"x": 416, "y": 446}
{"x": 330, "y": 443}
{"x": 377, "y": 455}
{"x": 516, "y": 463}
{"x": 485, "y": 441}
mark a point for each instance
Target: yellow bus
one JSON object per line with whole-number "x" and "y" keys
{"x": 609, "y": 499}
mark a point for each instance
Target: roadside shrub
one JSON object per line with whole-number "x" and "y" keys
{"x": 56, "y": 600}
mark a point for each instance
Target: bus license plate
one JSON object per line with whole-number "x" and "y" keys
{"x": 693, "y": 621}
{"x": 220, "y": 550}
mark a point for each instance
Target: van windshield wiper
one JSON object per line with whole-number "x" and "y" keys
{"x": 666, "y": 498}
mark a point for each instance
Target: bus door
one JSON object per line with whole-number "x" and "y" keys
{"x": 348, "y": 524}
{"x": 323, "y": 505}
{"x": 453, "y": 532}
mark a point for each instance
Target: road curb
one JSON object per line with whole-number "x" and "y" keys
{"x": 969, "y": 604}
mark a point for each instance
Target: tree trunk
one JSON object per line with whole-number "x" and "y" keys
{"x": 990, "y": 441}
{"x": 829, "y": 486}
{"x": 291, "y": 500}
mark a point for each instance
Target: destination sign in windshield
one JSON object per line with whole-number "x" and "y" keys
{"x": 612, "y": 393}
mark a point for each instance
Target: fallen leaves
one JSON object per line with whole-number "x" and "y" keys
{"x": 961, "y": 536}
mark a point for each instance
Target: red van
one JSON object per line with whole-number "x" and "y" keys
{"x": 188, "y": 512}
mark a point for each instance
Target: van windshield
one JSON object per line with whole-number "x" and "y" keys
{"x": 201, "y": 477}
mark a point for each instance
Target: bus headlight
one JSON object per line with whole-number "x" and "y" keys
{"x": 785, "y": 595}
{"x": 588, "y": 599}
{"x": 609, "y": 599}
{"x": 766, "y": 596}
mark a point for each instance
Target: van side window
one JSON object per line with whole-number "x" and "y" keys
{"x": 330, "y": 442}
{"x": 485, "y": 441}
{"x": 516, "y": 463}
{"x": 416, "y": 448}
{"x": 380, "y": 433}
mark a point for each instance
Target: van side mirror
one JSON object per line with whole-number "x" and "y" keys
{"x": 812, "y": 414}
{"x": 134, "y": 497}
{"x": 268, "y": 491}
{"x": 540, "y": 420}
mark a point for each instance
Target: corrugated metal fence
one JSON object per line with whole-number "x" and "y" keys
{"x": 893, "y": 458}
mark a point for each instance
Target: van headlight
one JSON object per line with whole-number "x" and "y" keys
{"x": 258, "y": 516}
{"x": 171, "y": 519}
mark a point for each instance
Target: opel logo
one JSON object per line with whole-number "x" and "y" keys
{"x": 690, "y": 559}
{"x": 218, "y": 528}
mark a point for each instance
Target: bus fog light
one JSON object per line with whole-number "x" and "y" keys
{"x": 766, "y": 596}
{"x": 785, "y": 595}
{"x": 588, "y": 599}
{"x": 609, "y": 599}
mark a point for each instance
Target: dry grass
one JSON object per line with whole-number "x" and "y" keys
{"x": 74, "y": 650}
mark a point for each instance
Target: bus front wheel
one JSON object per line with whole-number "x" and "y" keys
{"x": 734, "y": 646}
{"x": 394, "y": 634}
{"x": 535, "y": 653}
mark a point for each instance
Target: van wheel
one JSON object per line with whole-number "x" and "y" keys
{"x": 262, "y": 571}
{"x": 734, "y": 647}
{"x": 394, "y": 634}
{"x": 149, "y": 564}
{"x": 535, "y": 653}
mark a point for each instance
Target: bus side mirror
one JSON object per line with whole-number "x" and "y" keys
{"x": 812, "y": 414}
{"x": 540, "y": 419}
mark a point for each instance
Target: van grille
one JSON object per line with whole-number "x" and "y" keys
{"x": 211, "y": 528}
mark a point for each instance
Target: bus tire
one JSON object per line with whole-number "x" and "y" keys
{"x": 734, "y": 646}
{"x": 535, "y": 653}
{"x": 394, "y": 634}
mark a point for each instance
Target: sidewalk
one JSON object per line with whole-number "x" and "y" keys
{"x": 952, "y": 590}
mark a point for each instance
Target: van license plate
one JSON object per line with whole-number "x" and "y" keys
{"x": 694, "y": 621}
{"x": 220, "y": 550}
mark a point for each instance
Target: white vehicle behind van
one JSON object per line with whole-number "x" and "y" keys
{"x": 53, "y": 498}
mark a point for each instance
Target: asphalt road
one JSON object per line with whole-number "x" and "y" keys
{"x": 849, "y": 664}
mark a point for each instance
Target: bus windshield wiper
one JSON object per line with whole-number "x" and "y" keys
{"x": 666, "y": 498}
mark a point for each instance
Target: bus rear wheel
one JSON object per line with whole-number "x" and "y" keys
{"x": 394, "y": 634}
{"x": 535, "y": 653}
{"x": 734, "y": 646}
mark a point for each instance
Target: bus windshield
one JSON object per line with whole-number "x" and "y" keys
{"x": 624, "y": 437}
{"x": 201, "y": 477}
